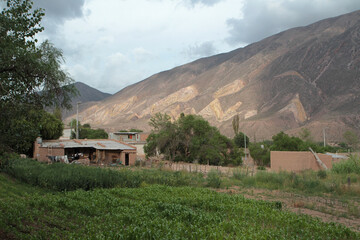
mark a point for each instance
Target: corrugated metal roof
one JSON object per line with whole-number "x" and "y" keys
{"x": 125, "y": 133}
{"x": 333, "y": 155}
{"x": 101, "y": 144}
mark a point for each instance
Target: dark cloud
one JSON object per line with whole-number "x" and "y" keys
{"x": 57, "y": 11}
{"x": 203, "y": 50}
{"x": 265, "y": 18}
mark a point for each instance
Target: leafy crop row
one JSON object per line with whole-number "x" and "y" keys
{"x": 156, "y": 212}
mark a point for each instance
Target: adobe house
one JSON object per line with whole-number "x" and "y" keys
{"x": 99, "y": 151}
{"x": 297, "y": 161}
{"x": 136, "y": 139}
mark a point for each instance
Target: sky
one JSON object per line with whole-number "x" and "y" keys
{"x": 110, "y": 44}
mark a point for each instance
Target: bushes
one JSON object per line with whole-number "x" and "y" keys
{"x": 213, "y": 179}
{"x": 352, "y": 165}
{"x": 63, "y": 177}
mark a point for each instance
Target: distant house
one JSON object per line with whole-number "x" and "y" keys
{"x": 98, "y": 151}
{"x": 137, "y": 139}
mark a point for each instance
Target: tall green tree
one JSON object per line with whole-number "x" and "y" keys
{"x": 86, "y": 132}
{"x": 235, "y": 124}
{"x": 240, "y": 139}
{"x": 30, "y": 74}
{"x": 190, "y": 139}
{"x": 260, "y": 152}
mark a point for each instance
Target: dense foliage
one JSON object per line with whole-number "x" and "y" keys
{"x": 260, "y": 152}
{"x": 190, "y": 139}
{"x": 351, "y": 165}
{"x": 21, "y": 131}
{"x": 64, "y": 177}
{"x": 86, "y": 132}
{"x": 30, "y": 76}
{"x": 239, "y": 140}
{"x": 152, "y": 212}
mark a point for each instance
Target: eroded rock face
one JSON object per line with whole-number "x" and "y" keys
{"x": 284, "y": 82}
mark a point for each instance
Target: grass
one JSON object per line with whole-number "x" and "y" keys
{"x": 151, "y": 212}
{"x": 306, "y": 182}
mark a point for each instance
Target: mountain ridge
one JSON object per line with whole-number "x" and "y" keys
{"x": 296, "y": 78}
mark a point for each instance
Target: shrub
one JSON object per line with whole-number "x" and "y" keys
{"x": 322, "y": 174}
{"x": 213, "y": 179}
{"x": 352, "y": 165}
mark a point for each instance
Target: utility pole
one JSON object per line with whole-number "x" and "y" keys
{"x": 245, "y": 145}
{"x": 77, "y": 120}
{"x": 324, "y": 136}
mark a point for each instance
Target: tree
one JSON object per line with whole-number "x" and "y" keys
{"x": 260, "y": 152}
{"x": 351, "y": 139}
{"x": 23, "y": 130}
{"x": 30, "y": 75}
{"x": 239, "y": 140}
{"x": 283, "y": 142}
{"x": 190, "y": 139}
{"x": 86, "y": 132}
{"x": 235, "y": 124}
{"x": 305, "y": 135}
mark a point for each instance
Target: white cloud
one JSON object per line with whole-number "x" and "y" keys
{"x": 110, "y": 44}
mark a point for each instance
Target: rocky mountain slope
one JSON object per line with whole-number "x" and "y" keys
{"x": 88, "y": 96}
{"x": 303, "y": 77}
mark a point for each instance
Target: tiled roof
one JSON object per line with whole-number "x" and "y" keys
{"x": 101, "y": 144}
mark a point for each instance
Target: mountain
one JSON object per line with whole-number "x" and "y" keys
{"x": 88, "y": 96}
{"x": 303, "y": 77}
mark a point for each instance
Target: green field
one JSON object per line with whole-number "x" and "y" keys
{"x": 150, "y": 212}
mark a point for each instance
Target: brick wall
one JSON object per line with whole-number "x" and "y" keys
{"x": 297, "y": 161}
{"x": 41, "y": 153}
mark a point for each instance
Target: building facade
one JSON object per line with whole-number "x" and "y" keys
{"x": 97, "y": 151}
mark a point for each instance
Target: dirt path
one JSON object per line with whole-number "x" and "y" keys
{"x": 327, "y": 208}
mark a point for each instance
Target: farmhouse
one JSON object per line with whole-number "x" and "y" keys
{"x": 136, "y": 139}
{"x": 97, "y": 151}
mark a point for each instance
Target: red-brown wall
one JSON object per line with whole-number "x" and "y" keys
{"x": 41, "y": 153}
{"x": 297, "y": 161}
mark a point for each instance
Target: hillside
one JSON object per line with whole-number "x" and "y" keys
{"x": 88, "y": 96}
{"x": 303, "y": 77}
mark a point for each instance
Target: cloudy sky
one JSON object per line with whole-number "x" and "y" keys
{"x": 110, "y": 44}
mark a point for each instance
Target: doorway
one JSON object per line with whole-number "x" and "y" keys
{"x": 126, "y": 159}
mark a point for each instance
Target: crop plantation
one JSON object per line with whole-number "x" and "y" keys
{"x": 143, "y": 209}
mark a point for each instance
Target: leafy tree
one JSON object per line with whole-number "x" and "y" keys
{"x": 283, "y": 142}
{"x": 190, "y": 139}
{"x": 159, "y": 121}
{"x": 235, "y": 124}
{"x": 239, "y": 140}
{"x": 351, "y": 139}
{"x": 57, "y": 113}
{"x": 260, "y": 152}
{"x": 135, "y": 130}
{"x": 85, "y": 131}
{"x": 23, "y": 130}
{"x": 305, "y": 135}
{"x": 30, "y": 76}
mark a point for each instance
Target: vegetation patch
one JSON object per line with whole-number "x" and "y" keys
{"x": 154, "y": 212}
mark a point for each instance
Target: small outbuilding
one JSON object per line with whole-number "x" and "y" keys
{"x": 97, "y": 151}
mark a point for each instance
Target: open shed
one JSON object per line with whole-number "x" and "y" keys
{"x": 98, "y": 151}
